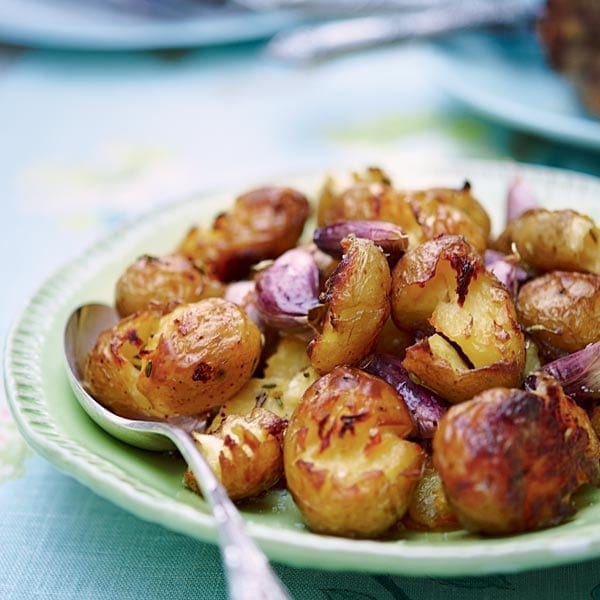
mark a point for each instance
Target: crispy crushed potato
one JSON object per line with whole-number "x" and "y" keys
{"x": 511, "y": 459}
{"x": 554, "y": 240}
{"x": 347, "y": 464}
{"x": 262, "y": 224}
{"x": 112, "y": 369}
{"x": 442, "y": 288}
{"x": 162, "y": 281}
{"x": 357, "y": 296}
{"x": 244, "y": 453}
{"x": 201, "y": 356}
{"x": 561, "y": 311}
{"x": 462, "y": 199}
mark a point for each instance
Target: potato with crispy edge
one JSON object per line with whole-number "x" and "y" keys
{"x": 511, "y": 459}
{"x": 357, "y": 297}
{"x": 561, "y": 311}
{"x": 347, "y": 464}
{"x": 162, "y": 281}
{"x": 553, "y": 240}
{"x": 463, "y": 199}
{"x": 475, "y": 342}
{"x": 245, "y": 453}
{"x": 262, "y": 224}
{"x": 201, "y": 355}
{"x": 438, "y": 218}
{"x": 113, "y": 366}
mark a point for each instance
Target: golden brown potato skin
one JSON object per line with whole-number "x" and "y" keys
{"x": 438, "y": 218}
{"x": 162, "y": 281}
{"x": 262, "y": 224}
{"x": 475, "y": 342}
{"x": 113, "y": 366}
{"x": 357, "y": 295}
{"x": 423, "y": 214}
{"x": 463, "y": 199}
{"x": 244, "y": 453}
{"x": 347, "y": 464}
{"x": 370, "y": 197}
{"x": 561, "y": 310}
{"x": 510, "y": 459}
{"x": 554, "y": 240}
{"x": 202, "y": 355}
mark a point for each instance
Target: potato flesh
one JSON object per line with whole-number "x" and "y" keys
{"x": 442, "y": 288}
{"x": 429, "y": 509}
{"x": 358, "y": 297}
{"x": 347, "y": 464}
{"x": 287, "y": 376}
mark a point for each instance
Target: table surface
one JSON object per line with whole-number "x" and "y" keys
{"x": 88, "y": 140}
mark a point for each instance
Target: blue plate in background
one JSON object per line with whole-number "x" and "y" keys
{"x": 92, "y": 25}
{"x": 506, "y": 77}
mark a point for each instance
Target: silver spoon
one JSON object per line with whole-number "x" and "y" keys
{"x": 247, "y": 571}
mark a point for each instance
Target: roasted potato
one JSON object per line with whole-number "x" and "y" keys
{"x": 162, "y": 281}
{"x": 112, "y": 368}
{"x": 357, "y": 296}
{"x": 244, "y": 453}
{"x": 347, "y": 464}
{"x": 184, "y": 362}
{"x": 429, "y": 509}
{"x": 438, "y": 218}
{"x": 561, "y": 311}
{"x": 475, "y": 342}
{"x": 463, "y": 199}
{"x": 553, "y": 240}
{"x": 370, "y": 197}
{"x": 511, "y": 459}
{"x": 201, "y": 355}
{"x": 263, "y": 224}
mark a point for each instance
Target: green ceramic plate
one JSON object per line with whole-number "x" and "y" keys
{"x": 148, "y": 484}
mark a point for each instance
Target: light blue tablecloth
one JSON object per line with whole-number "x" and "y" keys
{"x": 88, "y": 140}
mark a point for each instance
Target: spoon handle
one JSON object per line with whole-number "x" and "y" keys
{"x": 247, "y": 570}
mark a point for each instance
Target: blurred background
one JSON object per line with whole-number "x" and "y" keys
{"x": 109, "y": 108}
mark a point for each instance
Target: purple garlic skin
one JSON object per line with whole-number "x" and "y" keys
{"x": 287, "y": 290}
{"x": 389, "y": 237}
{"x": 519, "y": 199}
{"x": 243, "y": 293}
{"x": 578, "y": 373}
{"x": 425, "y": 407}
{"x": 506, "y": 269}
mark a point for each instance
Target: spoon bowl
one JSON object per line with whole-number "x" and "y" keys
{"x": 247, "y": 571}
